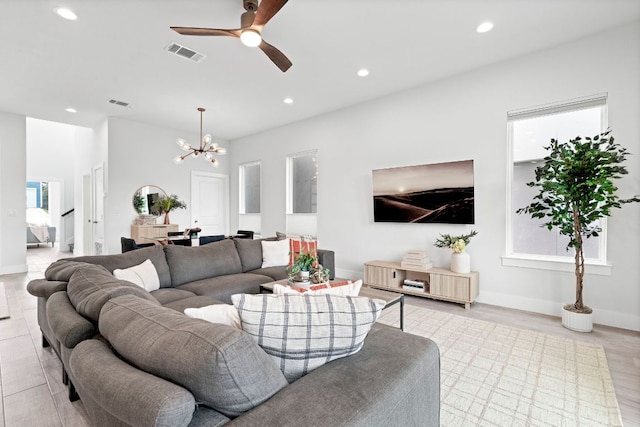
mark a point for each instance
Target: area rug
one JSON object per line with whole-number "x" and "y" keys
{"x": 494, "y": 375}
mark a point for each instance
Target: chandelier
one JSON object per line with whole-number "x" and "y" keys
{"x": 207, "y": 148}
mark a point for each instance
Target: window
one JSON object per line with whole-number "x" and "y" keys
{"x": 302, "y": 180}
{"x": 250, "y": 188}
{"x": 529, "y": 131}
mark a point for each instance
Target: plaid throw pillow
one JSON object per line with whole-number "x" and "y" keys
{"x": 303, "y": 332}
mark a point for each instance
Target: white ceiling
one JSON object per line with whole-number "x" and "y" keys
{"x": 115, "y": 50}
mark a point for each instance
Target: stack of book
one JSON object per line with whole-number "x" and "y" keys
{"x": 416, "y": 260}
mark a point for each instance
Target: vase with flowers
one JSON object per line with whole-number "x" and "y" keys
{"x": 164, "y": 205}
{"x": 460, "y": 260}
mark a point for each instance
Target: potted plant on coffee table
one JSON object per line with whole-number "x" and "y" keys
{"x": 302, "y": 266}
{"x": 575, "y": 191}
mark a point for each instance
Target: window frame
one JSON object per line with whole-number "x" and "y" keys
{"x": 290, "y": 192}
{"x": 599, "y": 266}
{"x": 242, "y": 208}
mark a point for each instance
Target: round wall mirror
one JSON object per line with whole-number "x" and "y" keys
{"x": 145, "y": 197}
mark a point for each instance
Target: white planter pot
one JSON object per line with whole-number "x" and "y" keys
{"x": 460, "y": 262}
{"x": 579, "y": 322}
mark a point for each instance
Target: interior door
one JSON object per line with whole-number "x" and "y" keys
{"x": 97, "y": 210}
{"x": 210, "y": 202}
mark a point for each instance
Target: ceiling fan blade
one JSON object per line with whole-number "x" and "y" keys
{"x": 276, "y": 56}
{"x": 266, "y": 11}
{"x": 191, "y": 31}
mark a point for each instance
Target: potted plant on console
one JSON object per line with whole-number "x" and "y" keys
{"x": 164, "y": 205}
{"x": 460, "y": 260}
{"x": 575, "y": 191}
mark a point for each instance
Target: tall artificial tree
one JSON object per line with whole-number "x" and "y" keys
{"x": 575, "y": 190}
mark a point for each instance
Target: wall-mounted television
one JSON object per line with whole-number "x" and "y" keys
{"x": 432, "y": 193}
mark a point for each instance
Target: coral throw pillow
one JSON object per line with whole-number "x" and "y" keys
{"x": 297, "y": 246}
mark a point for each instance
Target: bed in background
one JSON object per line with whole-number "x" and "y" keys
{"x": 41, "y": 234}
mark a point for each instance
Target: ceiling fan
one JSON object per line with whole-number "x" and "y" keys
{"x": 251, "y": 24}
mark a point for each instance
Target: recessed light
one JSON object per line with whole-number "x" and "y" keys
{"x": 288, "y": 101}
{"x": 65, "y": 13}
{"x": 363, "y": 72}
{"x": 71, "y": 110}
{"x": 484, "y": 27}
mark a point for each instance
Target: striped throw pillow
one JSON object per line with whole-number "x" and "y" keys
{"x": 303, "y": 332}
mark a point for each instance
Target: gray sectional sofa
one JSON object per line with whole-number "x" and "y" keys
{"x": 136, "y": 360}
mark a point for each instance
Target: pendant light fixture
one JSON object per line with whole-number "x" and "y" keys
{"x": 207, "y": 148}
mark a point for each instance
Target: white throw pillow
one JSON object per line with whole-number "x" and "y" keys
{"x": 216, "y": 313}
{"x": 143, "y": 275}
{"x": 303, "y": 332}
{"x": 347, "y": 289}
{"x": 275, "y": 253}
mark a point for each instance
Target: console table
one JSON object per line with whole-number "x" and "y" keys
{"x": 147, "y": 233}
{"x": 438, "y": 283}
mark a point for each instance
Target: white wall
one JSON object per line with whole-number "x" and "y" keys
{"x": 458, "y": 118}
{"x": 141, "y": 154}
{"x": 13, "y": 248}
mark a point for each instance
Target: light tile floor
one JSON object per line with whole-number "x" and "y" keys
{"x": 33, "y": 393}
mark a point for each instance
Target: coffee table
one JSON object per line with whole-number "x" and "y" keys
{"x": 391, "y": 298}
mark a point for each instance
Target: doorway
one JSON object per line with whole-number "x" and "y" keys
{"x": 210, "y": 202}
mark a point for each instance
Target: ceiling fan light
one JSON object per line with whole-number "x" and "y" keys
{"x": 251, "y": 38}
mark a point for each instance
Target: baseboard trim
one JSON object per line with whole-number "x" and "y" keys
{"x": 13, "y": 269}
{"x": 553, "y": 308}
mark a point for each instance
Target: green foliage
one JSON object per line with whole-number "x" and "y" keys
{"x": 304, "y": 262}
{"x": 138, "y": 202}
{"x": 167, "y": 204}
{"x": 576, "y": 189}
{"x": 447, "y": 240}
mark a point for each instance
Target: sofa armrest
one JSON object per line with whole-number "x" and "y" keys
{"x": 45, "y": 288}
{"x": 69, "y": 327}
{"x": 327, "y": 259}
{"x": 114, "y": 392}
{"x": 393, "y": 381}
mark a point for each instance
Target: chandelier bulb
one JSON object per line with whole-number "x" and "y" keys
{"x": 214, "y": 163}
{"x": 221, "y": 150}
{"x": 207, "y": 138}
{"x": 178, "y": 160}
{"x": 209, "y": 156}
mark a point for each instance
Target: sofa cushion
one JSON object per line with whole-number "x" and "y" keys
{"x": 275, "y": 273}
{"x": 193, "y": 302}
{"x": 302, "y": 245}
{"x": 189, "y": 264}
{"x": 143, "y": 275}
{"x": 222, "y": 366}
{"x": 216, "y": 313}
{"x": 167, "y": 295}
{"x": 250, "y": 252}
{"x": 346, "y": 288}
{"x": 129, "y": 259}
{"x": 303, "y": 332}
{"x": 128, "y": 396}
{"x": 91, "y": 286}
{"x": 222, "y": 287}
{"x": 275, "y": 253}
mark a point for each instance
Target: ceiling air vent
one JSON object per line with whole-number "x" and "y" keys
{"x": 185, "y": 52}
{"x": 120, "y": 103}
